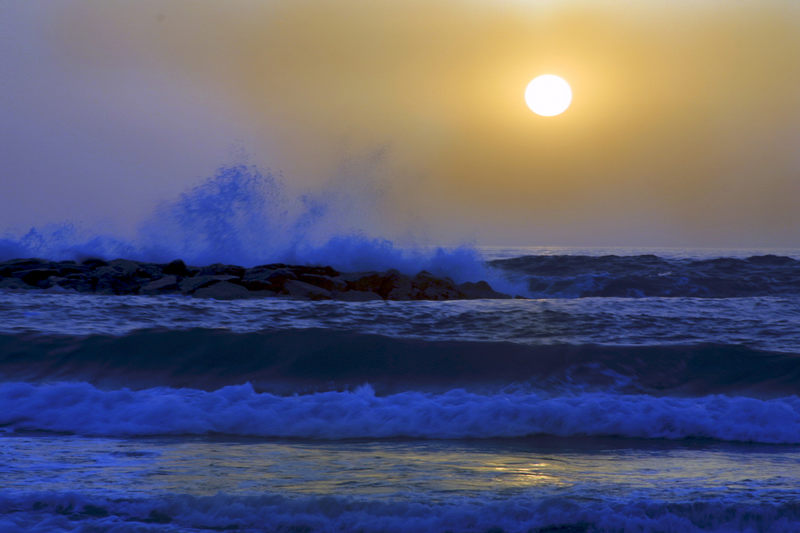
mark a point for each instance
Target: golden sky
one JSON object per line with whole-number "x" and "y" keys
{"x": 684, "y": 128}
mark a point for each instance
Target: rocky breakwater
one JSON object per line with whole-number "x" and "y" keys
{"x": 227, "y": 282}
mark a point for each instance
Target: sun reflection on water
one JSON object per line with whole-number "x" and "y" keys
{"x": 434, "y": 470}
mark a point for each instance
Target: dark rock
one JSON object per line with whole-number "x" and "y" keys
{"x": 256, "y": 278}
{"x": 280, "y": 275}
{"x": 163, "y": 285}
{"x": 123, "y": 276}
{"x": 66, "y": 268}
{"x": 177, "y": 268}
{"x": 14, "y": 284}
{"x": 110, "y": 280}
{"x": 306, "y": 291}
{"x": 93, "y": 262}
{"x": 50, "y": 283}
{"x": 402, "y": 287}
{"x": 36, "y": 276}
{"x": 23, "y": 264}
{"x": 55, "y": 288}
{"x": 271, "y": 266}
{"x": 150, "y": 270}
{"x": 429, "y": 287}
{"x": 126, "y": 266}
{"x": 257, "y": 272}
{"x": 78, "y": 282}
{"x": 480, "y": 289}
{"x": 189, "y": 285}
{"x": 263, "y": 279}
{"x": 323, "y": 282}
{"x": 17, "y": 267}
{"x": 222, "y": 290}
{"x": 313, "y": 270}
{"x": 218, "y": 269}
{"x": 265, "y": 272}
{"x": 383, "y": 284}
{"x": 356, "y": 296}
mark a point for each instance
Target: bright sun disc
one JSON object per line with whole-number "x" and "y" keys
{"x": 548, "y": 95}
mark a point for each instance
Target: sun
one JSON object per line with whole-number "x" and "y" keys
{"x": 548, "y": 95}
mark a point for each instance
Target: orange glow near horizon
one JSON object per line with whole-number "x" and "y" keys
{"x": 681, "y": 106}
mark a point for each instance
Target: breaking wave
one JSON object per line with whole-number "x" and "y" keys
{"x": 44, "y": 511}
{"x": 84, "y": 409}
{"x": 243, "y": 216}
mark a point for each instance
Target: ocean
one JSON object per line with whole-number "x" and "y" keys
{"x": 632, "y": 390}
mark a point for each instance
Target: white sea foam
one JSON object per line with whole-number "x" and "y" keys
{"x": 244, "y": 216}
{"x": 82, "y": 408}
{"x": 74, "y": 512}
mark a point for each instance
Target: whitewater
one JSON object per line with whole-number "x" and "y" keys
{"x": 626, "y": 390}
{"x": 559, "y": 413}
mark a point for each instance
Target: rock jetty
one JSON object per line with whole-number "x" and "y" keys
{"x": 228, "y": 282}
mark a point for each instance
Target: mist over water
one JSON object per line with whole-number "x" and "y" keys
{"x": 245, "y": 216}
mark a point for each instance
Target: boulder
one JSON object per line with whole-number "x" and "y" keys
{"x": 324, "y": 282}
{"x": 13, "y": 284}
{"x": 65, "y": 268}
{"x": 23, "y": 264}
{"x": 168, "y": 283}
{"x": 222, "y": 290}
{"x": 176, "y": 267}
{"x": 125, "y": 266}
{"x": 109, "y": 280}
{"x": 37, "y": 276}
{"x": 480, "y": 289}
{"x": 429, "y": 287}
{"x": 94, "y": 262}
{"x": 55, "y": 286}
{"x": 302, "y": 270}
{"x": 266, "y": 271}
{"x": 306, "y": 291}
{"x": 381, "y": 283}
{"x": 189, "y": 285}
{"x": 402, "y": 288}
{"x": 218, "y": 269}
{"x": 221, "y": 281}
{"x": 77, "y": 282}
{"x": 258, "y": 272}
{"x": 264, "y": 279}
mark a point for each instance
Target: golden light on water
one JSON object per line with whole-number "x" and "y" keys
{"x": 548, "y": 95}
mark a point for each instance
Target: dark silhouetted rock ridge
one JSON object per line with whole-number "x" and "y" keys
{"x": 227, "y": 282}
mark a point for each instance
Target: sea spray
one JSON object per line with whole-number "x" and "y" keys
{"x": 244, "y": 216}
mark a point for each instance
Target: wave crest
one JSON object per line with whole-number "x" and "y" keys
{"x": 457, "y": 414}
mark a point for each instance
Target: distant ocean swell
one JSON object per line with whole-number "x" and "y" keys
{"x": 84, "y": 409}
{"x": 71, "y": 512}
{"x": 289, "y": 361}
{"x": 572, "y": 276}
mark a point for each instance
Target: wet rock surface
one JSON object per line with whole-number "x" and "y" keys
{"x": 227, "y": 282}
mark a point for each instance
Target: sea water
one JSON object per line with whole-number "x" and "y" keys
{"x": 634, "y": 390}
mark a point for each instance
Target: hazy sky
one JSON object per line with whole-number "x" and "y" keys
{"x": 684, "y": 128}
